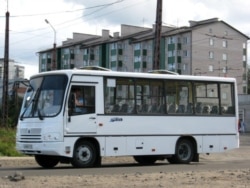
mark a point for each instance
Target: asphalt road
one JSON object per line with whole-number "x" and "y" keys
{"x": 122, "y": 168}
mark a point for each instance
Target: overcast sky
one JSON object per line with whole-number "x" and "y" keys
{"x": 29, "y": 33}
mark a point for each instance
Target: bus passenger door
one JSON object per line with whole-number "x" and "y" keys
{"x": 81, "y": 109}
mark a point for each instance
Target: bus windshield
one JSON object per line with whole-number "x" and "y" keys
{"x": 44, "y": 97}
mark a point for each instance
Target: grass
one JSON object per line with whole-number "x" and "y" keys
{"x": 8, "y": 142}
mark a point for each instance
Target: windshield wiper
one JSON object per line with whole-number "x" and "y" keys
{"x": 39, "y": 114}
{"x": 34, "y": 102}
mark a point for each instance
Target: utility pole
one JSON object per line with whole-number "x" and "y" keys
{"x": 6, "y": 74}
{"x": 158, "y": 23}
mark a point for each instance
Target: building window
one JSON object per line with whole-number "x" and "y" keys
{"x": 211, "y": 41}
{"x": 137, "y": 46}
{"x": 244, "y": 45}
{"x": 137, "y": 58}
{"x": 43, "y": 67}
{"x": 185, "y": 53}
{"x": 171, "y": 40}
{"x": 185, "y": 40}
{"x": 211, "y": 68}
{"x": 211, "y": 55}
{"x": 170, "y": 53}
{"x": 85, "y": 51}
{"x": 113, "y": 58}
{"x": 244, "y": 64}
{"x": 113, "y": 46}
{"x": 224, "y": 70}
{"x": 224, "y": 43}
{"x": 224, "y": 57}
{"x": 244, "y": 58}
{"x": 171, "y": 66}
{"x": 184, "y": 67}
{"x": 244, "y": 89}
{"x": 244, "y": 77}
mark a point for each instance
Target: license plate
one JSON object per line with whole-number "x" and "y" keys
{"x": 27, "y": 146}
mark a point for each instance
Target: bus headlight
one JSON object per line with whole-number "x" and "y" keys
{"x": 51, "y": 137}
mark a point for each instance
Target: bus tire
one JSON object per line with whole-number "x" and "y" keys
{"x": 145, "y": 160}
{"x": 85, "y": 155}
{"x": 46, "y": 161}
{"x": 184, "y": 152}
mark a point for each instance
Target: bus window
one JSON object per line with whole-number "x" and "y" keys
{"x": 119, "y": 96}
{"x": 149, "y": 96}
{"x": 206, "y": 98}
{"x": 82, "y": 100}
{"x": 179, "y": 97}
{"x": 45, "y": 96}
{"x": 227, "y": 102}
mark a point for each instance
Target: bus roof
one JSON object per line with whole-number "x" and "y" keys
{"x": 110, "y": 73}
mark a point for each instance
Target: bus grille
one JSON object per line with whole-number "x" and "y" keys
{"x": 30, "y": 135}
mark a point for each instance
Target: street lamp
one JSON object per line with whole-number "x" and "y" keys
{"x": 54, "y": 67}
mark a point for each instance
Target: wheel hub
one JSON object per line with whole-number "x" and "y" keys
{"x": 84, "y": 154}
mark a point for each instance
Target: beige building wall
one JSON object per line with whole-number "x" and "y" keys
{"x": 217, "y": 50}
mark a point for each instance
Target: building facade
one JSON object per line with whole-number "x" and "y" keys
{"x": 15, "y": 74}
{"x": 208, "y": 47}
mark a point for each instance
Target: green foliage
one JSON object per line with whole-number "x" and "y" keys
{"x": 14, "y": 106}
{"x": 8, "y": 142}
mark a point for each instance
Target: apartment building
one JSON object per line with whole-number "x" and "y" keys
{"x": 15, "y": 74}
{"x": 208, "y": 47}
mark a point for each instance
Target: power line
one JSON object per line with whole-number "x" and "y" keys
{"x": 75, "y": 19}
{"x": 100, "y": 16}
{"x": 66, "y": 23}
{"x": 66, "y": 11}
{"x": 37, "y": 30}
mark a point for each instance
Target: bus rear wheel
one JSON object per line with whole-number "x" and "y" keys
{"x": 184, "y": 152}
{"x": 145, "y": 160}
{"x": 46, "y": 161}
{"x": 85, "y": 155}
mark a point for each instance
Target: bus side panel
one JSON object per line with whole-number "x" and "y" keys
{"x": 220, "y": 143}
{"x": 142, "y": 145}
{"x": 151, "y": 145}
{"x": 121, "y": 125}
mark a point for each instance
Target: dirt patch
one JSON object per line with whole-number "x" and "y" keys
{"x": 239, "y": 178}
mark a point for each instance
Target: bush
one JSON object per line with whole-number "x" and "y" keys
{"x": 8, "y": 142}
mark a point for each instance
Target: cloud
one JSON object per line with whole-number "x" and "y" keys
{"x": 116, "y": 12}
{"x": 29, "y": 33}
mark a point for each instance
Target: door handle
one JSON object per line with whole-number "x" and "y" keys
{"x": 92, "y": 118}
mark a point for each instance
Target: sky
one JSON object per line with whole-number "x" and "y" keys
{"x": 29, "y": 33}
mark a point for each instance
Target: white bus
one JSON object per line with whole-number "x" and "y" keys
{"x": 146, "y": 116}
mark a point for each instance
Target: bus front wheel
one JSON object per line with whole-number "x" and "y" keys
{"x": 184, "y": 152}
{"x": 85, "y": 155}
{"x": 46, "y": 161}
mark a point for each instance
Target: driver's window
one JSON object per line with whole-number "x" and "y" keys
{"x": 82, "y": 100}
